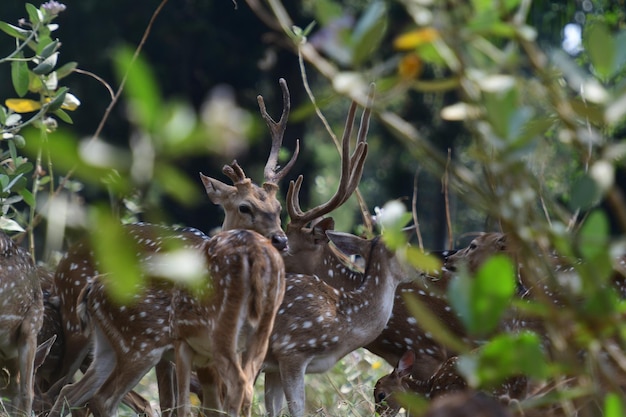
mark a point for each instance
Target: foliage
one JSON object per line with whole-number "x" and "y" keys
{"x": 517, "y": 100}
{"x": 33, "y": 71}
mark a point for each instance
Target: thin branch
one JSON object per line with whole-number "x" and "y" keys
{"x": 97, "y": 77}
{"x": 418, "y": 232}
{"x": 447, "y": 202}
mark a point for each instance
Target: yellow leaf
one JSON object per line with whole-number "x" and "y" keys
{"x": 415, "y": 38}
{"x": 22, "y": 105}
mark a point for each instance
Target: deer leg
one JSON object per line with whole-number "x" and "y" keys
{"x": 167, "y": 389}
{"x": 184, "y": 356}
{"x": 292, "y": 377}
{"x": 273, "y": 393}
{"x": 77, "y": 394}
{"x": 26, "y": 353}
{"x": 125, "y": 375}
{"x": 77, "y": 353}
{"x": 210, "y": 391}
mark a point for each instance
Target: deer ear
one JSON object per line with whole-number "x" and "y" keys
{"x": 215, "y": 189}
{"x": 501, "y": 242}
{"x": 405, "y": 364}
{"x": 320, "y": 228}
{"x": 349, "y": 244}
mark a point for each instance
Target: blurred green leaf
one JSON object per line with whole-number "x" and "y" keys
{"x": 509, "y": 355}
{"x": 594, "y": 235}
{"x": 141, "y": 88}
{"x": 481, "y": 301}
{"x": 369, "y": 32}
{"x": 600, "y": 46}
{"x": 613, "y": 406}
{"x": 66, "y": 69}
{"x": 19, "y": 76}
{"x": 432, "y": 324}
{"x": 177, "y": 185}
{"x": 585, "y": 193}
{"x": 423, "y": 261}
{"x": 116, "y": 253}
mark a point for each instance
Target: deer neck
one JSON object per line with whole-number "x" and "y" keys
{"x": 369, "y": 306}
{"x": 339, "y": 271}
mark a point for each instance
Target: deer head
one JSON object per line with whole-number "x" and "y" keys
{"x": 248, "y": 206}
{"x": 21, "y": 315}
{"x": 223, "y": 327}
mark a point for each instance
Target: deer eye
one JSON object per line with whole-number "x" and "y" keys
{"x": 245, "y": 209}
{"x": 472, "y": 246}
{"x": 380, "y": 397}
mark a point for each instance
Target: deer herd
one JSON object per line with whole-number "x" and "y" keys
{"x": 282, "y": 303}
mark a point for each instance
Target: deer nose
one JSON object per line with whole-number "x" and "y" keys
{"x": 280, "y": 242}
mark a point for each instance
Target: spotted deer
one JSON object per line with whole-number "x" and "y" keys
{"x": 21, "y": 316}
{"x": 246, "y": 206}
{"x": 318, "y": 324}
{"x": 221, "y": 326}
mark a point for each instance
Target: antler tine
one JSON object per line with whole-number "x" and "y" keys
{"x": 365, "y": 117}
{"x": 277, "y": 131}
{"x": 234, "y": 172}
{"x": 293, "y": 201}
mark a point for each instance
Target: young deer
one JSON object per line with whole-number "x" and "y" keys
{"x": 21, "y": 315}
{"x": 222, "y": 327}
{"x": 246, "y": 206}
{"x": 318, "y": 324}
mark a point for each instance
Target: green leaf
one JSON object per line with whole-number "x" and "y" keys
{"x": 34, "y": 14}
{"x": 62, "y": 114}
{"x": 481, "y": 301}
{"x": 593, "y": 238}
{"x": 16, "y": 32}
{"x": 600, "y": 46}
{"x": 47, "y": 65}
{"x": 57, "y": 101}
{"x": 19, "y": 76}
{"x": 28, "y": 197}
{"x": 66, "y": 70}
{"x": 49, "y": 49}
{"x": 369, "y": 32}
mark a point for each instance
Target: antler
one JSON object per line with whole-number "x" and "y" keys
{"x": 235, "y": 173}
{"x": 351, "y": 170}
{"x": 277, "y": 130}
